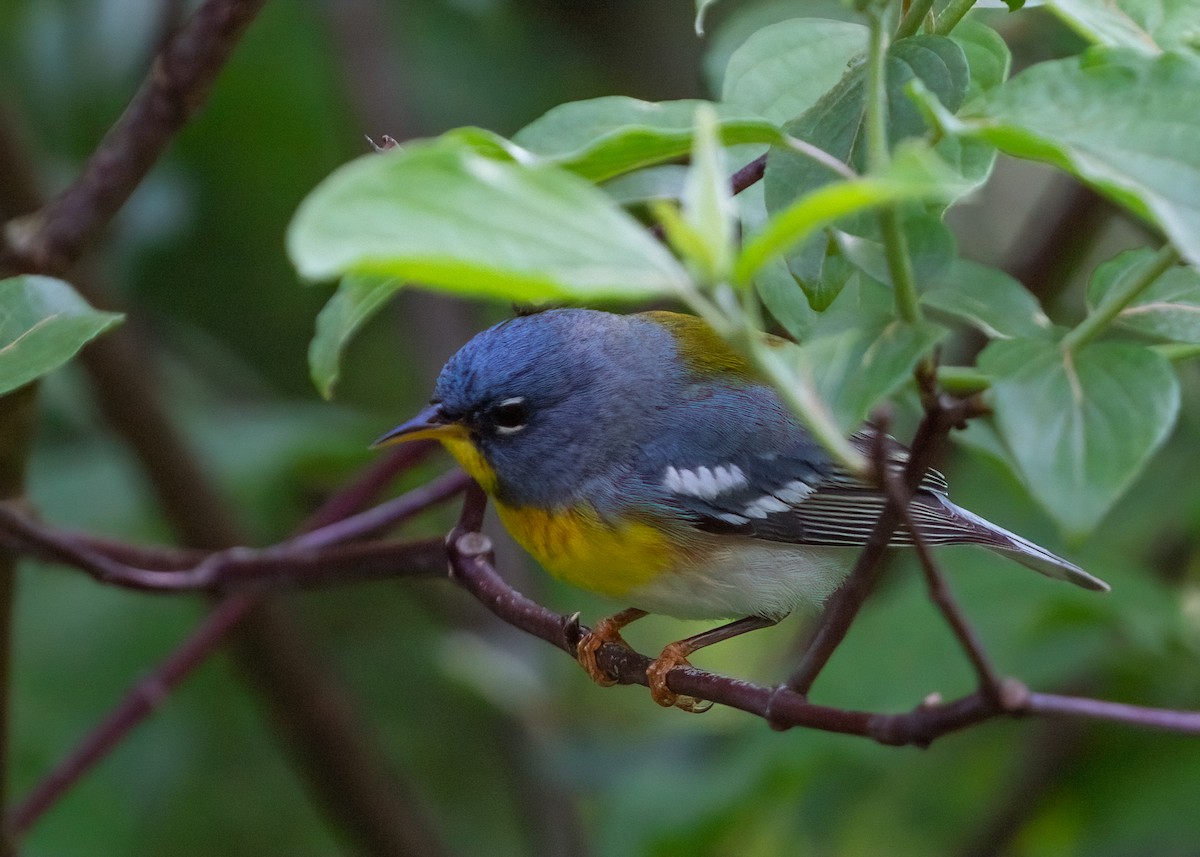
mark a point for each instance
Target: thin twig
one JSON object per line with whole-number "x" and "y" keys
{"x": 174, "y": 90}
{"x": 990, "y": 681}
{"x": 782, "y": 707}
{"x": 316, "y": 557}
{"x": 137, "y": 704}
{"x": 844, "y": 604}
{"x": 425, "y": 559}
{"x": 749, "y": 174}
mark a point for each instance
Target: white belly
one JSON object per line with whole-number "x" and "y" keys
{"x": 759, "y": 579}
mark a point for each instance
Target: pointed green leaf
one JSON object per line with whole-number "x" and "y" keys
{"x": 784, "y": 68}
{"x": 447, "y": 217}
{"x": 987, "y": 54}
{"x": 1169, "y": 308}
{"x": 914, "y": 173}
{"x": 604, "y": 137}
{"x": 858, "y": 353}
{"x": 43, "y": 324}
{"x": 356, "y": 300}
{"x": 708, "y": 200}
{"x": 701, "y": 11}
{"x": 1148, "y": 26}
{"x": 989, "y": 60}
{"x": 1080, "y": 427}
{"x": 1124, "y": 123}
{"x": 989, "y": 300}
{"x": 834, "y": 124}
{"x": 785, "y": 300}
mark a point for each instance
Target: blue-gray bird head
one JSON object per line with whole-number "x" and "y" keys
{"x": 552, "y": 401}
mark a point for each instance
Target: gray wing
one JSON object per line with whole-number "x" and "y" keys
{"x": 786, "y": 489}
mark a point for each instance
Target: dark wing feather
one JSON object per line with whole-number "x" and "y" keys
{"x": 765, "y": 478}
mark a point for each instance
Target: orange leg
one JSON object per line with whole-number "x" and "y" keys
{"x": 607, "y": 630}
{"x": 676, "y": 655}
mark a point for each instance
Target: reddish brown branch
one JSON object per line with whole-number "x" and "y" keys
{"x": 941, "y": 415}
{"x": 782, "y": 707}
{"x": 138, "y": 704}
{"x": 748, "y": 175}
{"x": 317, "y": 557}
{"x": 308, "y": 562}
{"x": 177, "y": 85}
{"x": 990, "y": 682}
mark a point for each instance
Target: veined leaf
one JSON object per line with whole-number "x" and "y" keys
{"x": 989, "y": 300}
{"x": 445, "y": 216}
{"x": 356, "y": 300}
{"x": 858, "y": 353}
{"x": 1169, "y": 308}
{"x": 1122, "y": 122}
{"x": 43, "y": 324}
{"x": 605, "y": 137}
{"x": 1080, "y": 426}
{"x": 1148, "y": 26}
{"x": 784, "y": 68}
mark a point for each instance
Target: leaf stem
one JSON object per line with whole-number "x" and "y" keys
{"x": 799, "y": 394}
{"x": 953, "y": 13}
{"x": 1177, "y": 352}
{"x": 962, "y": 380}
{"x": 876, "y": 107}
{"x": 895, "y": 249}
{"x": 737, "y": 325}
{"x": 912, "y": 20}
{"x": 1124, "y": 292}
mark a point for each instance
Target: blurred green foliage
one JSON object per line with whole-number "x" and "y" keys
{"x": 537, "y": 761}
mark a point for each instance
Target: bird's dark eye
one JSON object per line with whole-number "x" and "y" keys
{"x": 510, "y": 415}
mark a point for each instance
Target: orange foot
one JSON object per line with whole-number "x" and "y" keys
{"x": 607, "y": 630}
{"x": 674, "y": 655}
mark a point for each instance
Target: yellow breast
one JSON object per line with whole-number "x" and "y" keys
{"x": 575, "y": 545}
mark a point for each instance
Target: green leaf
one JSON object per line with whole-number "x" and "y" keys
{"x": 785, "y": 300}
{"x": 1124, "y": 123}
{"x": 1080, "y": 427}
{"x": 989, "y": 300}
{"x": 859, "y": 353}
{"x": 931, "y": 248}
{"x": 1169, "y": 308}
{"x": 449, "y": 218}
{"x": 834, "y": 124}
{"x": 653, "y": 183}
{"x": 356, "y": 300}
{"x": 707, "y": 200}
{"x": 988, "y": 60}
{"x": 1148, "y": 26}
{"x": 783, "y": 69}
{"x": 604, "y": 137}
{"x": 914, "y": 173}
{"x": 987, "y": 54}
{"x": 43, "y": 324}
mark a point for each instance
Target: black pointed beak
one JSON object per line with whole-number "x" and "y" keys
{"x": 431, "y": 423}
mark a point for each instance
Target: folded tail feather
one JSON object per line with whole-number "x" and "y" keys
{"x": 1000, "y": 540}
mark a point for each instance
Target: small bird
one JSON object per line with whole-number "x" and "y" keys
{"x": 640, "y": 457}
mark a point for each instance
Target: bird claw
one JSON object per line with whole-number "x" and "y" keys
{"x": 674, "y": 655}
{"x": 606, "y": 631}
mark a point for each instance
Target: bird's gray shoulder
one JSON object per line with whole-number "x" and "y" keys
{"x": 735, "y": 461}
{"x": 724, "y": 456}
